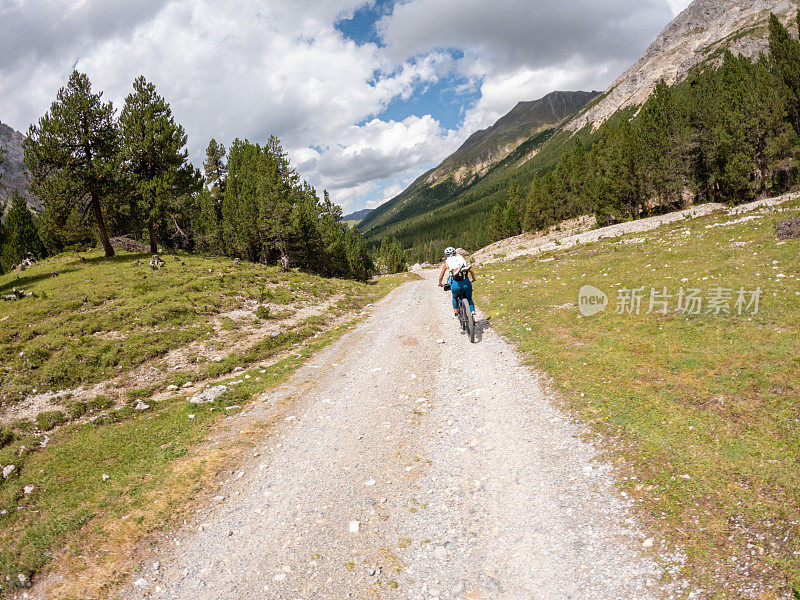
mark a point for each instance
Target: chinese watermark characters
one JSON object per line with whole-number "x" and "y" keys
{"x": 685, "y": 300}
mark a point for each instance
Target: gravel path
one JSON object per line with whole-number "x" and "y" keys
{"x": 412, "y": 468}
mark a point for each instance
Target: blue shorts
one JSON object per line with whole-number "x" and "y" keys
{"x": 464, "y": 285}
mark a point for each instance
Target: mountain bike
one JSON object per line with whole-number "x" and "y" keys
{"x": 465, "y": 317}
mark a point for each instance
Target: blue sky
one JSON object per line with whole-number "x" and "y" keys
{"x": 365, "y": 95}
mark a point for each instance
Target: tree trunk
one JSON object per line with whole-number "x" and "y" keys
{"x": 101, "y": 226}
{"x": 151, "y": 227}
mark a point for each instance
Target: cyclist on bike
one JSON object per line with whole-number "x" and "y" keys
{"x": 460, "y": 276}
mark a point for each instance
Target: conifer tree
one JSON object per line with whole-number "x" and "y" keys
{"x": 785, "y": 56}
{"x": 71, "y": 154}
{"x": 20, "y": 234}
{"x": 497, "y": 229}
{"x": 359, "y": 260}
{"x": 215, "y": 169}
{"x": 657, "y": 129}
{"x": 511, "y": 221}
{"x": 155, "y": 155}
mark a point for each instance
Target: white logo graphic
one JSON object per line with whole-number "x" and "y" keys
{"x": 591, "y": 300}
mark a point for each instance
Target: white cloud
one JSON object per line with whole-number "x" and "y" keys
{"x": 677, "y": 6}
{"x": 374, "y": 152}
{"x": 250, "y": 68}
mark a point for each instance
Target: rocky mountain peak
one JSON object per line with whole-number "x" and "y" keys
{"x": 700, "y": 34}
{"x": 12, "y": 169}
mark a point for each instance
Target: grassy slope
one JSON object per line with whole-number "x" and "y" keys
{"x": 155, "y": 459}
{"x": 100, "y": 317}
{"x": 703, "y": 409}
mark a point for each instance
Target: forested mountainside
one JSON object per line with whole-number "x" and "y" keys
{"x": 477, "y": 156}
{"x": 425, "y": 219}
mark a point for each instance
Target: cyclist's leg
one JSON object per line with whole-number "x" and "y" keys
{"x": 454, "y": 288}
{"x": 468, "y": 294}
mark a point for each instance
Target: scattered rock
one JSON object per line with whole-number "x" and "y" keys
{"x": 140, "y": 583}
{"x": 648, "y": 543}
{"x": 172, "y": 388}
{"x": 141, "y": 406}
{"x": 129, "y": 245}
{"x": 28, "y": 489}
{"x": 8, "y": 470}
{"x": 369, "y": 482}
{"x": 16, "y": 294}
{"x": 355, "y": 526}
{"x": 280, "y": 577}
{"x": 106, "y": 477}
{"x": 789, "y": 229}
{"x": 209, "y": 395}
{"x": 440, "y": 553}
{"x": 156, "y": 262}
{"x": 188, "y": 384}
{"x": 372, "y": 570}
{"x": 22, "y": 579}
{"x": 440, "y": 341}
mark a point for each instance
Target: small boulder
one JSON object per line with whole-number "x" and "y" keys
{"x": 106, "y": 477}
{"x": 8, "y": 470}
{"x": 156, "y": 262}
{"x": 172, "y": 388}
{"x": 355, "y": 526}
{"x": 140, "y": 405}
{"x": 209, "y": 395}
{"x": 28, "y": 489}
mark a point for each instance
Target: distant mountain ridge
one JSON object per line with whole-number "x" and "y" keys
{"x": 479, "y": 154}
{"x": 12, "y": 168}
{"x": 357, "y": 215}
{"x": 489, "y": 146}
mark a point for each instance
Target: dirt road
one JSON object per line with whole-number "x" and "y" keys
{"x": 412, "y": 468}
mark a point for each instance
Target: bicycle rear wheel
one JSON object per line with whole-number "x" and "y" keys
{"x": 469, "y": 319}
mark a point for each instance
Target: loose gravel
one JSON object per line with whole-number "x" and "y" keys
{"x": 413, "y": 464}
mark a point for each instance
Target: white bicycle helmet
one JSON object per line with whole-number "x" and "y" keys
{"x": 449, "y": 251}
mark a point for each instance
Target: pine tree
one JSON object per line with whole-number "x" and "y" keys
{"x": 154, "y": 153}
{"x": 20, "y": 235}
{"x": 358, "y": 257}
{"x": 657, "y": 129}
{"x": 71, "y": 154}
{"x": 497, "y": 230}
{"x": 215, "y": 169}
{"x": 785, "y": 56}
{"x": 511, "y": 220}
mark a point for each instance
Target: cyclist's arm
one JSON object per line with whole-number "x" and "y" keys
{"x": 441, "y": 273}
{"x": 471, "y": 275}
